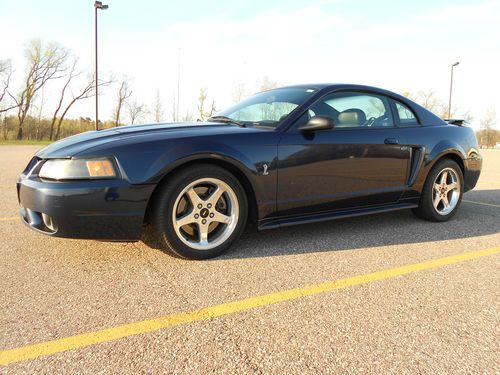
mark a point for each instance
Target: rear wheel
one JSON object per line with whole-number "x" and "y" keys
{"x": 442, "y": 192}
{"x": 200, "y": 212}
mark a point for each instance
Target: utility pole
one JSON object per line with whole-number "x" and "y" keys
{"x": 451, "y": 88}
{"x": 97, "y": 5}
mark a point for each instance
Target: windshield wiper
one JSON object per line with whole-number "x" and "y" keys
{"x": 227, "y": 120}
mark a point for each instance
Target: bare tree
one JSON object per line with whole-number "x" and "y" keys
{"x": 69, "y": 78}
{"x": 136, "y": 111}
{"x": 487, "y": 124}
{"x": 213, "y": 109}
{"x": 429, "y": 100}
{"x": 40, "y": 114}
{"x": 5, "y": 65}
{"x": 5, "y": 75}
{"x": 85, "y": 92}
{"x": 266, "y": 84}
{"x": 63, "y": 106}
{"x": 239, "y": 92}
{"x": 410, "y": 96}
{"x": 124, "y": 92}
{"x": 173, "y": 110}
{"x": 188, "y": 116}
{"x": 44, "y": 63}
{"x": 201, "y": 106}
{"x": 5, "y": 128}
{"x": 201, "y": 100}
{"x": 158, "y": 111}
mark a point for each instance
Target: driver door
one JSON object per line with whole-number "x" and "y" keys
{"x": 362, "y": 161}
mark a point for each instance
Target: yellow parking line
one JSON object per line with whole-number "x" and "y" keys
{"x": 482, "y": 203}
{"x": 9, "y": 218}
{"x": 131, "y": 329}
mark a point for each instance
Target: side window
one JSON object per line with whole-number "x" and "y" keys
{"x": 354, "y": 109}
{"x": 406, "y": 115}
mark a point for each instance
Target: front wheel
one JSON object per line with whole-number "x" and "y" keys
{"x": 200, "y": 212}
{"x": 442, "y": 193}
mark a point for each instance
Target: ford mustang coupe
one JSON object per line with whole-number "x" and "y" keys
{"x": 291, "y": 155}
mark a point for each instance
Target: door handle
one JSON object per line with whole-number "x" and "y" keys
{"x": 391, "y": 141}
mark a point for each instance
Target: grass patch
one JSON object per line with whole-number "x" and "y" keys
{"x": 24, "y": 142}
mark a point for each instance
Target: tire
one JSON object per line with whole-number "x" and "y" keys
{"x": 446, "y": 191}
{"x": 200, "y": 212}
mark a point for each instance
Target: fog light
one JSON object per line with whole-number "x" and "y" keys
{"x": 47, "y": 220}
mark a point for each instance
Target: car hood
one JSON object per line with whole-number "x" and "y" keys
{"x": 73, "y": 145}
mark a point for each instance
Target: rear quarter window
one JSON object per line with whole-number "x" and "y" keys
{"x": 406, "y": 115}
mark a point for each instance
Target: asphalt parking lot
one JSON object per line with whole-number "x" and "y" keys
{"x": 94, "y": 307}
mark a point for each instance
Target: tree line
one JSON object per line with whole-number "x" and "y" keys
{"x": 45, "y": 64}
{"x": 52, "y": 71}
{"x": 51, "y": 67}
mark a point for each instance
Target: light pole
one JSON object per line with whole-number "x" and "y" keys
{"x": 97, "y": 5}
{"x": 178, "y": 83}
{"x": 451, "y": 88}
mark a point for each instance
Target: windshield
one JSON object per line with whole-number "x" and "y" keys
{"x": 268, "y": 108}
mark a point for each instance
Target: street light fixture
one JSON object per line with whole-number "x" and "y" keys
{"x": 451, "y": 88}
{"x": 97, "y": 5}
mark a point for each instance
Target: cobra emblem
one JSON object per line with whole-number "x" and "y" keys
{"x": 265, "y": 171}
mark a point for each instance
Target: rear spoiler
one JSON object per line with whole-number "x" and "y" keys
{"x": 455, "y": 121}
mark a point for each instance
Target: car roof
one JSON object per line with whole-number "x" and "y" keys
{"x": 343, "y": 86}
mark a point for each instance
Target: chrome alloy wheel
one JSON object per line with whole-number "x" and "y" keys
{"x": 205, "y": 213}
{"x": 446, "y": 191}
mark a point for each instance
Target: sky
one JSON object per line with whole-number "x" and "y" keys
{"x": 396, "y": 45}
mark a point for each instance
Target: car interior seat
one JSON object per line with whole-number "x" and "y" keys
{"x": 351, "y": 117}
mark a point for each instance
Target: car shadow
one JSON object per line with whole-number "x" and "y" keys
{"x": 387, "y": 229}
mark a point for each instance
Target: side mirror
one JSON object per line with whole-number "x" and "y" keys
{"x": 316, "y": 123}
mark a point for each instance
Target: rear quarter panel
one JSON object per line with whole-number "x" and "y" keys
{"x": 441, "y": 140}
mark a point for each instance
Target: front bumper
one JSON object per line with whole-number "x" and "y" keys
{"x": 96, "y": 209}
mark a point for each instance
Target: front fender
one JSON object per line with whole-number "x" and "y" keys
{"x": 149, "y": 163}
{"x": 185, "y": 153}
{"x": 247, "y": 159}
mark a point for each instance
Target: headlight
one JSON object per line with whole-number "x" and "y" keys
{"x": 77, "y": 169}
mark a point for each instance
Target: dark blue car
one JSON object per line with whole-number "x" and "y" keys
{"x": 287, "y": 156}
